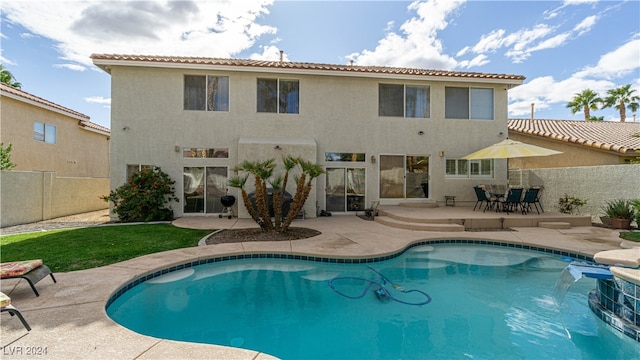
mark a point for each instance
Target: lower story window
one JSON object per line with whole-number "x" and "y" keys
{"x": 136, "y": 168}
{"x": 203, "y": 188}
{"x": 461, "y": 168}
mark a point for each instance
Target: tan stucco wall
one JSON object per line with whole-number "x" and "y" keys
{"x": 339, "y": 113}
{"x": 77, "y": 152}
{"x": 572, "y": 154}
{"x": 30, "y": 196}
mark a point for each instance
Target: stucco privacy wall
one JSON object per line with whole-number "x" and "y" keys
{"x": 596, "y": 184}
{"x": 30, "y": 196}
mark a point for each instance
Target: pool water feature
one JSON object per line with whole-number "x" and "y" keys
{"x": 486, "y": 302}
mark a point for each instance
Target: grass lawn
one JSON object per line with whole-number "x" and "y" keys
{"x": 85, "y": 248}
{"x": 628, "y": 235}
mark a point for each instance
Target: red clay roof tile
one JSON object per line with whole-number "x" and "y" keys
{"x": 301, "y": 66}
{"x": 606, "y": 135}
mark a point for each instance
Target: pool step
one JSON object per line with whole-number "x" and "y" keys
{"x": 419, "y": 226}
{"x": 554, "y": 225}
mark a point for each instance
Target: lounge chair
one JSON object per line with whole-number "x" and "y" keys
{"x": 532, "y": 196}
{"x": 30, "y": 270}
{"x": 5, "y": 305}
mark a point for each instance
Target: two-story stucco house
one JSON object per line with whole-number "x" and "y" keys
{"x": 391, "y": 134}
{"x": 61, "y": 157}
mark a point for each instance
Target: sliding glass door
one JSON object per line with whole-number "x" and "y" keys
{"x": 345, "y": 189}
{"x": 203, "y": 188}
{"x": 404, "y": 176}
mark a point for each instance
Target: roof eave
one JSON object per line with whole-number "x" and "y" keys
{"x": 512, "y": 81}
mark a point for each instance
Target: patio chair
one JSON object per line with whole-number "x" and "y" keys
{"x": 5, "y": 305}
{"x": 482, "y": 196}
{"x": 30, "y": 270}
{"x": 532, "y": 196}
{"x": 372, "y": 211}
{"x": 512, "y": 201}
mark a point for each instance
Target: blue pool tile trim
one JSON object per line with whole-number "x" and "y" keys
{"x": 617, "y": 303}
{"x": 162, "y": 272}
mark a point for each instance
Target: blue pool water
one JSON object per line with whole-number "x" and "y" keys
{"x": 485, "y": 303}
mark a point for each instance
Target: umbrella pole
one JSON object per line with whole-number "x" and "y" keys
{"x": 507, "y": 172}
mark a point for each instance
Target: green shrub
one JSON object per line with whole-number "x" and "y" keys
{"x": 570, "y": 204}
{"x": 144, "y": 197}
{"x": 620, "y": 209}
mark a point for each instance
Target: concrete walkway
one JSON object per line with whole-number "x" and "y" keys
{"x": 69, "y": 319}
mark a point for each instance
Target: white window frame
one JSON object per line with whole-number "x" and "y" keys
{"x": 481, "y": 103}
{"x": 482, "y": 173}
{"x": 46, "y": 133}
{"x": 222, "y": 106}
{"x": 427, "y": 89}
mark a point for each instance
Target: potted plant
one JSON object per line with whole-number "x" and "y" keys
{"x": 621, "y": 213}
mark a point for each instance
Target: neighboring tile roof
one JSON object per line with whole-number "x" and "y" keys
{"x": 605, "y": 135}
{"x": 94, "y": 127}
{"x": 105, "y": 59}
{"x": 83, "y": 120}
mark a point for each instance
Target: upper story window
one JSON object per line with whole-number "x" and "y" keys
{"x": 279, "y": 96}
{"x": 469, "y": 168}
{"x": 403, "y": 100}
{"x": 468, "y": 103}
{"x": 44, "y": 132}
{"x": 206, "y": 93}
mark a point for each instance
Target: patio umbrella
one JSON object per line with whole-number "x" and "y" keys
{"x": 507, "y": 149}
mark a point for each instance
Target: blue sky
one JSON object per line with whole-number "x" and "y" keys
{"x": 562, "y": 47}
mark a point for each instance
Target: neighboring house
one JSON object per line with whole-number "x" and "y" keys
{"x": 48, "y": 137}
{"x": 393, "y": 134}
{"x": 62, "y": 159}
{"x": 582, "y": 143}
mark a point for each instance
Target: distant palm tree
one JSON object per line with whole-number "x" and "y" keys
{"x": 586, "y": 101}
{"x": 7, "y": 78}
{"x": 622, "y": 98}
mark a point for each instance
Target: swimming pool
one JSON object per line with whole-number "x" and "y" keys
{"x": 485, "y": 302}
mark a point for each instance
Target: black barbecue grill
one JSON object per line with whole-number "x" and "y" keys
{"x": 227, "y": 201}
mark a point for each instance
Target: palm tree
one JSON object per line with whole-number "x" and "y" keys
{"x": 586, "y": 101}
{"x": 7, "y": 78}
{"x": 262, "y": 172}
{"x": 622, "y": 98}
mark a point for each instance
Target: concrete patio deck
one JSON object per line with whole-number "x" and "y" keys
{"x": 69, "y": 319}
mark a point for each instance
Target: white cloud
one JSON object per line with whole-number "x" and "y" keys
{"x": 98, "y": 100}
{"x": 479, "y": 60}
{"x": 219, "y": 28}
{"x": 586, "y": 24}
{"x": 547, "y": 92}
{"x": 619, "y": 62}
{"x": 74, "y": 67}
{"x": 417, "y": 43}
{"x": 271, "y": 53}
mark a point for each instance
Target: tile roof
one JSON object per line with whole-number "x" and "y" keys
{"x": 106, "y": 59}
{"x": 83, "y": 120}
{"x": 605, "y": 135}
{"x": 32, "y": 98}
